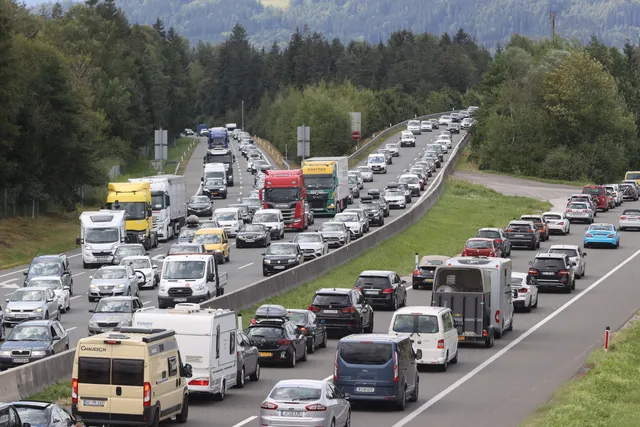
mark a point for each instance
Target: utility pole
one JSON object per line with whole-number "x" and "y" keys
{"x": 243, "y": 114}
{"x": 552, "y": 18}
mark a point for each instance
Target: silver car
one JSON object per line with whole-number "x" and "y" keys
{"x": 55, "y": 283}
{"x": 353, "y": 223}
{"x": 576, "y": 256}
{"x": 363, "y": 217}
{"x": 31, "y": 304}
{"x": 303, "y": 403}
{"x": 358, "y": 177}
{"x": 579, "y": 211}
{"x": 335, "y": 233}
{"x": 111, "y": 281}
{"x": 312, "y": 244}
{"x": 112, "y": 312}
{"x": 396, "y": 198}
{"x": 148, "y": 276}
{"x": 366, "y": 172}
{"x": 309, "y": 212}
{"x": 129, "y": 249}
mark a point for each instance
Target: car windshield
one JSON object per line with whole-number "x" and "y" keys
{"x": 578, "y": 206}
{"x": 308, "y": 238}
{"x": 295, "y": 394}
{"x": 413, "y": 123}
{"x": 352, "y": 179}
{"x": 34, "y": 416}
{"x": 101, "y": 235}
{"x": 46, "y": 269}
{"x": 374, "y": 282}
{"x": 184, "y": 249}
{"x": 533, "y": 219}
{"x": 29, "y": 333}
{"x": 110, "y": 273}
{"x": 367, "y": 205}
{"x": 393, "y": 193}
{"x": 331, "y": 227}
{"x": 255, "y": 228}
{"x": 226, "y": 216}
{"x": 631, "y": 212}
{"x": 519, "y": 227}
{"x": 601, "y": 228}
{"x": 187, "y": 233}
{"x": 478, "y": 244}
{"x": 27, "y": 295}
{"x": 281, "y": 195}
{"x": 364, "y": 169}
{"x": 548, "y": 263}
{"x": 106, "y": 306}
{"x": 517, "y": 281}
{"x": 265, "y": 217}
{"x": 265, "y": 332}
{"x": 409, "y": 179}
{"x": 297, "y": 317}
{"x": 592, "y": 190}
{"x": 376, "y": 159}
{"x": 183, "y": 270}
{"x": 281, "y": 250}
{"x": 251, "y": 201}
{"x": 214, "y": 182}
{"x": 366, "y": 353}
{"x": 391, "y": 146}
{"x": 134, "y": 210}
{"x": 569, "y": 252}
{"x": 47, "y": 283}
{"x": 339, "y": 300}
{"x": 346, "y": 218}
{"x": 552, "y": 216}
{"x": 632, "y": 175}
{"x": 207, "y": 239}
{"x": 137, "y": 264}
{"x": 130, "y": 250}
{"x": 445, "y": 118}
{"x": 416, "y": 323}
{"x": 199, "y": 199}
{"x": 488, "y": 234}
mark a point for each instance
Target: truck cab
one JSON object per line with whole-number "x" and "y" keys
{"x": 224, "y": 156}
{"x": 192, "y": 278}
{"x": 284, "y": 190}
{"x": 135, "y": 199}
{"x": 100, "y": 233}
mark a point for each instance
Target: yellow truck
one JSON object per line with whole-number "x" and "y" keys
{"x": 135, "y": 199}
{"x": 632, "y": 176}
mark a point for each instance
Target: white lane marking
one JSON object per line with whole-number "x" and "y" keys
{"x": 15, "y": 272}
{"x": 244, "y": 422}
{"x": 74, "y": 255}
{"x": 509, "y": 346}
{"x": 79, "y": 274}
{"x": 8, "y": 285}
{"x": 75, "y": 297}
{"x": 146, "y": 302}
{"x": 71, "y": 328}
{"x": 245, "y": 266}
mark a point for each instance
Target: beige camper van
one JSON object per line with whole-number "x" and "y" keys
{"x": 130, "y": 376}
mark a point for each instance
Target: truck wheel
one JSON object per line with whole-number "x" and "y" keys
{"x": 488, "y": 342}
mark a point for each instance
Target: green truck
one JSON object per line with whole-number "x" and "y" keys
{"x": 327, "y": 185}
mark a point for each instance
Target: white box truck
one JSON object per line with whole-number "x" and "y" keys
{"x": 327, "y": 184}
{"x": 100, "y": 233}
{"x": 206, "y": 339}
{"x": 169, "y": 203}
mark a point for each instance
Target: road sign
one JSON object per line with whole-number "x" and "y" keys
{"x": 356, "y": 119}
{"x": 304, "y": 141}
{"x": 355, "y": 135}
{"x": 160, "y": 144}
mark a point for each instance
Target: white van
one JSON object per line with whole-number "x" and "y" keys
{"x": 230, "y": 219}
{"x": 414, "y": 127}
{"x": 214, "y": 170}
{"x": 377, "y": 163}
{"x": 272, "y": 219}
{"x": 501, "y": 294}
{"x": 100, "y": 233}
{"x": 206, "y": 340}
{"x": 431, "y": 330}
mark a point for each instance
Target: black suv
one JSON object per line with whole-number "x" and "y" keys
{"x": 523, "y": 233}
{"x": 381, "y": 287}
{"x": 344, "y": 310}
{"x": 374, "y": 210}
{"x": 277, "y": 338}
{"x": 552, "y": 271}
{"x": 50, "y": 265}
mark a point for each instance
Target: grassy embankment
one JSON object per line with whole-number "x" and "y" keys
{"x": 23, "y": 238}
{"x": 604, "y": 393}
{"x": 465, "y": 164}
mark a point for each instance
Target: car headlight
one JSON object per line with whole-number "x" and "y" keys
{"x": 38, "y": 353}
{"x": 125, "y": 322}
{"x": 163, "y": 289}
{"x": 291, "y": 260}
{"x": 218, "y": 251}
{"x": 88, "y": 247}
{"x": 5, "y": 353}
{"x": 199, "y": 288}
{"x": 267, "y": 261}
{"x": 38, "y": 310}
{"x": 93, "y": 324}
{"x": 93, "y": 286}
{"x": 6, "y": 310}
{"x": 121, "y": 286}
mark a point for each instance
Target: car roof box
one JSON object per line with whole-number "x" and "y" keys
{"x": 267, "y": 311}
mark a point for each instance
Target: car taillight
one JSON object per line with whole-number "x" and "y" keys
{"x": 589, "y": 235}
{"x": 387, "y": 291}
{"x": 464, "y": 253}
{"x": 508, "y": 230}
{"x": 335, "y": 368}
{"x": 499, "y": 241}
{"x": 416, "y": 272}
{"x": 497, "y": 317}
{"x": 610, "y": 236}
{"x": 529, "y": 231}
{"x": 532, "y": 271}
{"x": 283, "y": 342}
{"x": 316, "y": 407}
{"x": 623, "y": 217}
{"x": 563, "y": 273}
{"x": 440, "y": 343}
{"x": 522, "y": 291}
{"x": 351, "y": 309}
{"x": 303, "y": 329}
{"x": 269, "y": 406}
{"x": 492, "y": 254}
{"x": 395, "y": 367}
{"x": 146, "y": 401}
{"x": 201, "y": 382}
{"x": 253, "y": 321}
{"x": 74, "y": 390}
{"x": 561, "y": 223}
{"x": 586, "y": 211}
{"x": 569, "y": 210}
{"x": 313, "y": 308}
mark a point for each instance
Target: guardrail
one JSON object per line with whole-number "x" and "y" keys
{"x": 21, "y": 382}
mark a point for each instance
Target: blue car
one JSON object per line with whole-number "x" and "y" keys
{"x": 602, "y": 234}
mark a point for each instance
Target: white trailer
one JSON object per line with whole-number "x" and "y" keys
{"x": 169, "y": 203}
{"x": 100, "y": 233}
{"x": 206, "y": 339}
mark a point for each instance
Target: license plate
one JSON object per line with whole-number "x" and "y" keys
{"x": 519, "y": 235}
{"x": 460, "y": 337}
{"x": 374, "y": 292}
{"x": 365, "y": 389}
{"x": 180, "y": 300}
{"x": 248, "y": 240}
{"x": 20, "y": 360}
{"x": 22, "y": 315}
{"x": 103, "y": 258}
{"x": 515, "y": 294}
{"x": 547, "y": 273}
{"x": 331, "y": 311}
{"x": 265, "y": 354}
{"x": 291, "y": 414}
{"x": 428, "y": 280}
{"x": 279, "y": 267}
{"x": 93, "y": 402}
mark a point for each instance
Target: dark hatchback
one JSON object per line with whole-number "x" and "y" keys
{"x": 425, "y": 272}
{"x": 342, "y": 310}
{"x": 523, "y": 233}
{"x": 382, "y": 288}
{"x": 253, "y": 203}
{"x": 199, "y": 206}
{"x": 278, "y": 340}
{"x": 280, "y": 257}
{"x": 313, "y": 328}
{"x": 214, "y": 187}
{"x": 253, "y": 235}
{"x": 374, "y": 211}
{"x": 45, "y": 414}
{"x": 33, "y": 340}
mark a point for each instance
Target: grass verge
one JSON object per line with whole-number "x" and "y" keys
{"x": 59, "y": 393}
{"x": 22, "y": 238}
{"x": 603, "y": 393}
{"x": 465, "y": 164}
{"x": 462, "y": 209}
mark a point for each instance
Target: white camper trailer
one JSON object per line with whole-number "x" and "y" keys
{"x": 206, "y": 339}
{"x": 100, "y": 233}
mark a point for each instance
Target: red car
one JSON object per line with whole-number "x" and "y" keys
{"x": 482, "y": 247}
{"x": 600, "y": 194}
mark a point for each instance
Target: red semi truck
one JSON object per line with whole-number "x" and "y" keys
{"x": 284, "y": 190}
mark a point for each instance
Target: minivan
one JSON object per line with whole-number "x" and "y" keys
{"x": 377, "y": 367}
{"x": 131, "y": 376}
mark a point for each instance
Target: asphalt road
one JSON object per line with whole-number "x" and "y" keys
{"x": 245, "y": 266}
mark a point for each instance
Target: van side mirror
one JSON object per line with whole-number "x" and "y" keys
{"x": 188, "y": 370}
{"x": 25, "y": 273}
{"x": 66, "y": 288}
{"x": 6, "y": 299}
{"x": 418, "y": 354}
{"x": 91, "y": 310}
{"x": 584, "y": 254}
{"x": 530, "y": 263}
{"x": 202, "y": 179}
{"x": 78, "y": 241}
{"x": 347, "y": 396}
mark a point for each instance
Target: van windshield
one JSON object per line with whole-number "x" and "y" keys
{"x": 101, "y": 235}
{"x": 416, "y": 323}
{"x": 366, "y": 353}
{"x": 183, "y": 270}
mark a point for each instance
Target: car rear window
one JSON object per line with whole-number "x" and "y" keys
{"x": 592, "y": 190}
{"x": 373, "y": 282}
{"x": 552, "y": 216}
{"x": 94, "y": 370}
{"x": 366, "y": 353}
{"x": 265, "y": 332}
{"x": 548, "y": 263}
{"x": 416, "y": 323}
{"x": 127, "y": 372}
{"x": 578, "y": 206}
{"x": 331, "y": 299}
{"x": 488, "y": 234}
{"x": 519, "y": 227}
{"x": 533, "y": 219}
{"x": 632, "y": 212}
{"x": 478, "y": 244}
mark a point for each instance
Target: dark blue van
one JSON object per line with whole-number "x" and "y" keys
{"x": 377, "y": 367}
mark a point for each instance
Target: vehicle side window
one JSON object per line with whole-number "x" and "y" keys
{"x": 14, "y": 418}
{"x": 330, "y": 393}
{"x": 59, "y": 329}
{"x": 337, "y": 393}
{"x": 312, "y": 318}
{"x": 232, "y": 343}
{"x": 53, "y": 332}
{"x": 173, "y": 366}
{"x": 405, "y": 349}
{"x": 218, "y": 342}
{"x": 64, "y": 415}
{"x": 55, "y": 416}
{"x": 447, "y": 322}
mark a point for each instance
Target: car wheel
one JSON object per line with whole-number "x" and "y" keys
{"x": 223, "y": 392}
{"x": 312, "y": 346}
{"x": 184, "y": 412}
{"x": 527, "y": 308}
{"x": 535, "y": 305}
{"x": 445, "y": 365}
{"x": 304, "y": 354}
{"x": 402, "y": 403}
{"x": 416, "y": 391}
{"x": 323, "y": 344}
{"x": 455, "y": 358}
{"x": 241, "y": 378}
{"x": 292, "y": 362}
{"x": 256, "y": 375}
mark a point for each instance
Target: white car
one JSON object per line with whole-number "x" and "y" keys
{"x": 351, "y": 220}
{"x": 630, "y": 218}
{"x": 426, "y": 126}
{"x": 55, "y": 283}
{"x": 366, "y": 172}
{"x": 444, "y": 140}
{"x": 148, "y": 275}
{"x": 395, "y": 197}
{"x": 377, "y": 163}
{"x": 273, "y": 220}
{"x": 413, "y": 126}
{"x": 445, "y": 120}
{"x": 576, "y": 256}
{"x": 230, "y": 219}
{"x": 407, "y": 139}
{"x": 525, "y": 296}
{"x": 312, "y": 244}
{"x": 615, "y": 191}
{"x": 557, "y": 222}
